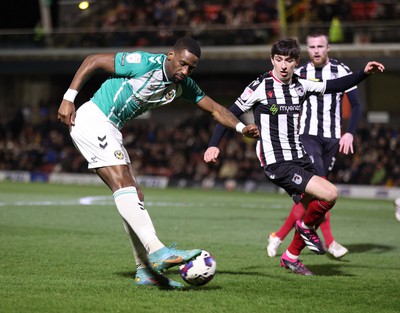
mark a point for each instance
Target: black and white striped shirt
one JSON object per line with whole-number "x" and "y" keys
{"x": 322, "y": 114}
{"x": 277, "y": 108}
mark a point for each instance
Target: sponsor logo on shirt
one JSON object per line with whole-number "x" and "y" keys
{"x": 273, "y": 109}
{"x": 289, "y": 108}
{"x": 155, "y": 60}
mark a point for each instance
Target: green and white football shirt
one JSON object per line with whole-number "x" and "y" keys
{"x": 139, "y": 85}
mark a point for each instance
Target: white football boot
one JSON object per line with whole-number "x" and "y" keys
{"x": 273, "y": 244}
{"x": 337, "y": 250}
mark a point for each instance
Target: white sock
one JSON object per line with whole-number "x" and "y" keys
{"x": 292, "y": 256}
{"x": 305, "y": 226}
{"x": 139, "y": 252}
{"x": 134, "y": 214}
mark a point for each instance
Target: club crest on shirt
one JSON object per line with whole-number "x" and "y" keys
{"x": 297, "y": 179}
{"x": 170, "y": 94}
{"x": 134, "y": 58}
{"x": 300, "y": 91}
{"x": 119, "y": 154}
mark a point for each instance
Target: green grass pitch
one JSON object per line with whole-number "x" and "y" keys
{"x": 63, "y": 249}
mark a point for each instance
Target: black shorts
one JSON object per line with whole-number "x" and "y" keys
{"x": 293, "y": 176}
{"x": 322, "y": 152}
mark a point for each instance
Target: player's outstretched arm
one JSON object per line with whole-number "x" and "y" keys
{"x": 373, "y": 67}
{"x": 92, "y": 63}
{"x": 345, "y": 82}
{"x": 227, "y": 118}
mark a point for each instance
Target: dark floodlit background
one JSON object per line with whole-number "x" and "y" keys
{"x": 42, "y": 43}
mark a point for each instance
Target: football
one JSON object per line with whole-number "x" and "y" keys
{"x": 200, "y": 270}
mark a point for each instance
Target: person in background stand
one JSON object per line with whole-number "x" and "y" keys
{"x": 320, "y": 132}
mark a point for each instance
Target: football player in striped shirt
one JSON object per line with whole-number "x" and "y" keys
{"x": 277, "y": 98}
{"x": 140, "y": 81}
{"x": 320, "y": 132}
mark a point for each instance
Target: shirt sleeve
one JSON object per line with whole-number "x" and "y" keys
{"x": 345, "y": 82}
{"x": 344, "y": 70}
{"x": 354, "y": 99}
{"x": 221, "y": 130}
{"x": 136, "y": 64}
{"x": 191, "y": 91}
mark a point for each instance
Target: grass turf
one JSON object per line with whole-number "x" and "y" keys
{"x": 63, "y": 249}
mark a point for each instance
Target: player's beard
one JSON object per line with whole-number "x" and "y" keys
{"x": 178, "y": 79}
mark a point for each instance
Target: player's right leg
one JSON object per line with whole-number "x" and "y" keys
{"x": 291, "y": 258}
{"x": 320, "y": 197}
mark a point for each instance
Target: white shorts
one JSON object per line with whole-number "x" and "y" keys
{"x": 97, "y": 138}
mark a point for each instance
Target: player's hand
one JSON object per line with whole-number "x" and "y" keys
{"x": 346, "y": 144}
{"x": 211, "y": 155}
{"x": 66, "y": 113}
{"x": 251, "y": 131}
{"x": 373, "y": 67}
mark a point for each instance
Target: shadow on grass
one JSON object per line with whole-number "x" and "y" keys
{"x": 329, "y": 270}
{"x": 318, "y": 270}
{"x": 131, "y": 275}
{"x": 370, "y": 248}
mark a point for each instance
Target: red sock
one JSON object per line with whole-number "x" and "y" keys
{"x": 326, "y": 229}
{"x": 316, "y": 211}
{"x": 297, "y": 244}
{"x": 295, "y": 214}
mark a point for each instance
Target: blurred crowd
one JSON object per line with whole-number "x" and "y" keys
{"x": 233, "y": 22}
{"x": 161, "y": 22}
{"x": 176, "y": 151}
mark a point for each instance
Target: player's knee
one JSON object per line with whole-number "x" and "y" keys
{"x": 331, "y": 195}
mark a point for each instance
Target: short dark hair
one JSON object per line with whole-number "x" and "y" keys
{"x": 318, "y": 33}
{"x": 188, "y": 44}
{"x": 286, "y": 46}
